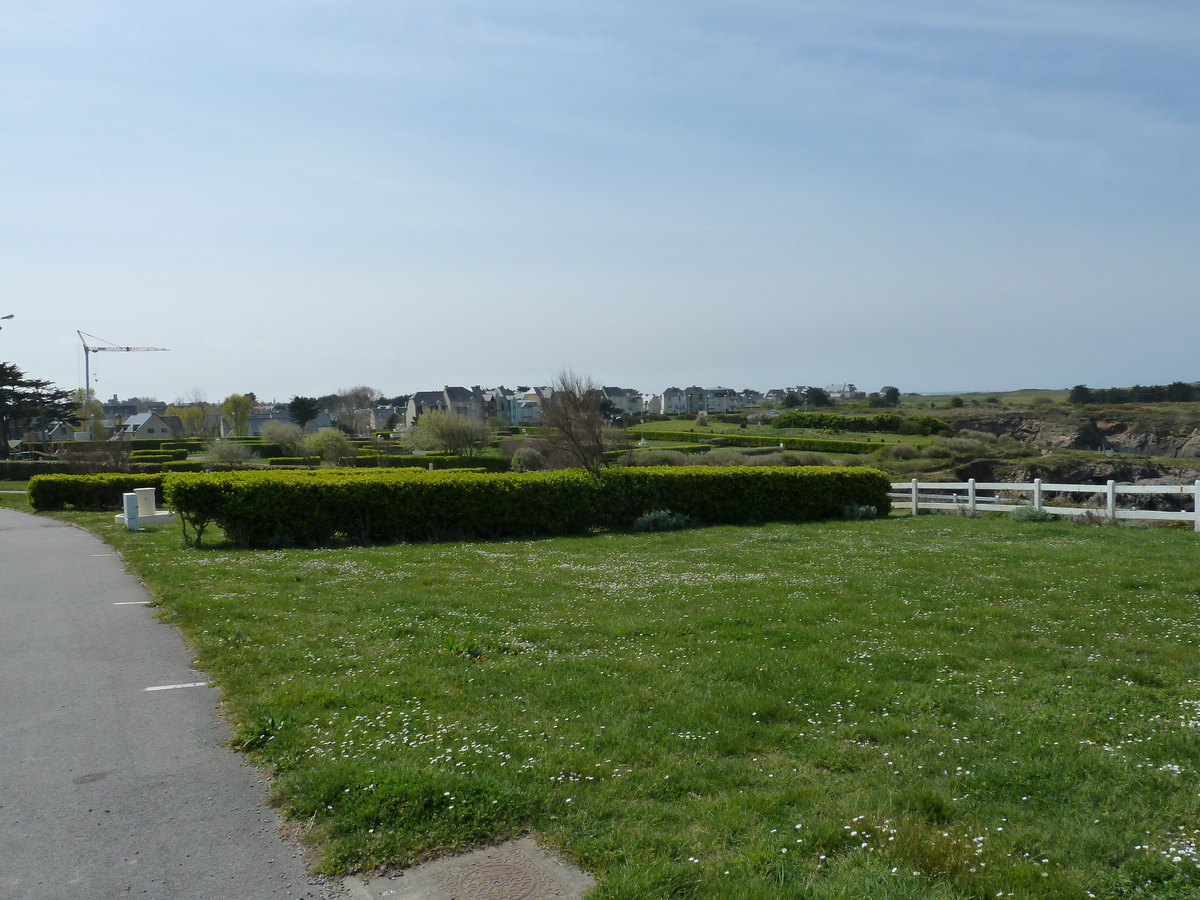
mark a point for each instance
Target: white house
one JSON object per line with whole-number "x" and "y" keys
{"x": 143, "y": 426}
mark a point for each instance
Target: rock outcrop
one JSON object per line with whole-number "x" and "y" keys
{"x": 1147, "y": 433}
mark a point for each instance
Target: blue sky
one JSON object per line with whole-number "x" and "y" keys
{"x": 300, "y": 196}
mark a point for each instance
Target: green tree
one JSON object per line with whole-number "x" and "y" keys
{"x": 303, "y": 410}
{"x": 1080, "y": 394}
{"x": 29, "y": 400}
{"x": 329, "y": 444}
{"x": 891, "y": 396}
{"x": 819, "y": 397}
{"x": 236, "y": 408}
{"x": 437, "y": 429}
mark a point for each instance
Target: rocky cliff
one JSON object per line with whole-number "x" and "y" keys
{"x": 1163, "y": 433}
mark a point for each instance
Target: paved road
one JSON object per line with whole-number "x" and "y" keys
{"x": 108, "y": 790}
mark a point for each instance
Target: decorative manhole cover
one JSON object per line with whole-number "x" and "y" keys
{"x": 512, "y": 876}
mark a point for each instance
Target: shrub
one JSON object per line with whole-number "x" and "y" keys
{"x": 902, "y": 451}
{"x": 661, "y": 520}
{"x": 229, "y": 452}
{"x": 286, "y": 434}
{"x": 1029, "y": 514}
{"x": 260, "y": 509}
{"x": 527, "y": 459}
{"x": 789, "y": 458}
{"x": 328, "y": 444}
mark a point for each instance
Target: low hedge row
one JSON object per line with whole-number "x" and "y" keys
{"x": 186, "y": 465}
{"x": 160, "y": 456}
{"x": 820, "y": 445}
{"x": 24, "y": 469}
{"x": 438, "y": 461}
{"x": 271, "y": 509}
{"x": 892, "y": 423}
{"x": 144, "y": 444}
{"x": 94, "y": 492}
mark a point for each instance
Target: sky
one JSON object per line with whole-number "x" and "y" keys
{"x": 300, "y": 196}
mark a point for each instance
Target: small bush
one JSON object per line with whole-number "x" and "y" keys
{"x": 792, "y": 458}
{"x": 661, "y": 520}
{"x": 902, "y": 451}
{"x": 528, "y": 459}
{"x": 1029, "y": 514}
{"x": 328, "y": 444}
{"x": 857, "y": 512}
{"x": 287, "y": 435}
{"x": 230, "y": 452}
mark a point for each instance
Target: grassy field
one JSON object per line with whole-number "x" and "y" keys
{"x": 905, "y": 708}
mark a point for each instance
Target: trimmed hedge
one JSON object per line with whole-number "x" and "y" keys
{"x": 820, "y": 445}
{"x": 892, "y": 423}
{"x": 24, "y": 469}
{"x": 186, "y": 465}
{"x": 271, "y": 509}
{"x": 159, "y": 456}
{"x": 94, "y": 492}
{"x": 439, "y": 461}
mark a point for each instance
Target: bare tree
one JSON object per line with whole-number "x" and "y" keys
{"x": 573, "y": 411}
{"x": 438, "y": 429}
{"x": 355, "y": 406}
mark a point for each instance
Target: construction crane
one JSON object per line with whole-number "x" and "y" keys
{"x": 87, "y": 369}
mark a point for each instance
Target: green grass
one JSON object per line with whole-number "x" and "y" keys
{"x": 905, "y": 708}
{"x": 14, "y": 501}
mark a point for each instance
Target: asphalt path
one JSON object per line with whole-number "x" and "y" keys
{"x": 109, "y": 788}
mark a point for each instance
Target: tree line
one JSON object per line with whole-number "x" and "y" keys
{"x": 1175, "y": 392}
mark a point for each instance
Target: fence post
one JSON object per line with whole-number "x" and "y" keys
{"x": 1196, "y": 505}
{"x": 971, "y": 496}
{"x": 1037, "y": 494}
{"x": 916, "y": 503}
{"x": 1110, "y": 503}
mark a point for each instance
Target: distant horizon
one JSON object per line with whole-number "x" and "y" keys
{"x": 178, "y": 401}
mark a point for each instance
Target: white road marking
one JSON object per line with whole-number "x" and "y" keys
{"x": 132, "y": 603}
{"x": 171, "y": 687}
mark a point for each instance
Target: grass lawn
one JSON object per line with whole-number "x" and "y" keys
{"x": 906, "y": 708}
{"x": 14, "y": 501}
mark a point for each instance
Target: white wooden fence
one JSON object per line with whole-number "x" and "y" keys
{"x": 964, "y": 496}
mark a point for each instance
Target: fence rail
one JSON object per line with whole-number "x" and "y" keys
{"x": 998, "y": 497}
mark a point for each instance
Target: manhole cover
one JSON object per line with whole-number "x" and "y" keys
{"x": 512, "y": 876}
